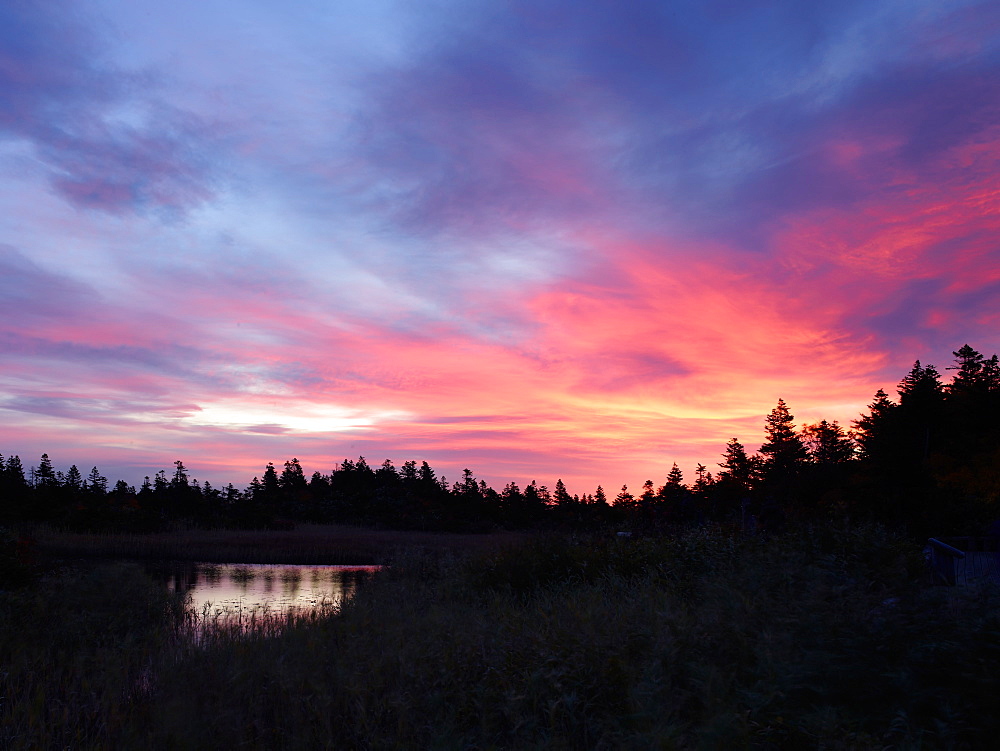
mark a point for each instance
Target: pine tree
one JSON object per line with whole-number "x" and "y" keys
{"x": 921, "y": 405}
{"x": 469, "y": 487}
{"x": 783, "y": 449}
{"x": 535, "y": 500}
{"x": 15, "y": 503}
{"x": 427, "y": 475}
{"x": 74, "y": 480}
{"x": 828, "y": 443}
{"x": 180, "y": 478}
{"x": 600, "y": 498}
{"x": 675, "y": 476}
{"x": 921, "y": 387}
{"x": 97, "y": 483}
{"x": 990, "y": 375}
{"x": 648, "y": 496}
{"x": 969, "y": 365}
{"x": 674, "y": 484}
{"x": 271, "y": 485}
{"x": 292, "y": 477}
{"x": 738, "y": 469}
{"x": 14, "y": 472}
{"x": 624, "y": 499}
{"x": 703, "y": 479}
{"x": 874, "y": 432}
{"x": 561, "y": 496}
{"x": 45, "y": 475}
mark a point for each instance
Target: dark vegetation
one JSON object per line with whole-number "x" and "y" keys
{"x": 825, "y": 637}
{"x": 318, "y": 544}
{"x": 782, "y": 602}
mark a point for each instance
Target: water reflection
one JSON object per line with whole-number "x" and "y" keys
{"x": 238, "y": 592}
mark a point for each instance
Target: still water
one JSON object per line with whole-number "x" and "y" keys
{"x": 239, "y": 591}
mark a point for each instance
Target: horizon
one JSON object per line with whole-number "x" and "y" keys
{"x": 191, "y": 471}
{"x": 556, "y": 241}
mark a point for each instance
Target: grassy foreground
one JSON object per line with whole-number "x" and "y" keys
{"x": 304, "y": 544}
{"x": 819, "y": 639}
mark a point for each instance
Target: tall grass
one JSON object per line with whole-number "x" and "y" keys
{"x": 305, "y": 544}
{"x": 822, "y": 639}
{"x": 78, "y": 656}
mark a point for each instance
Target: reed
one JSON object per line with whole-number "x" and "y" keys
{"x": 304, "y": 544}
{"x": 819, "y": 639}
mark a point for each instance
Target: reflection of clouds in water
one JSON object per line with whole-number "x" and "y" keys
{"x": 239, "y": 588}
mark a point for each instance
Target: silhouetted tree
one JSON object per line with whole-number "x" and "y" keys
{"x": 45, "y": 475}
{"x": 875, "y": 432}
{"x": 624, "y": 500}
{"x": 828, "y": 443}
{"x": 600, "y": 498}
{"x": 15, "y": 498}
{"x": 561, "y": 496}
{"x": 97, "y": 483}
{"x": 921, "y": 402}
{"x": 784, "y": 453}
{"x": 292, "y": 478}
{"x": 974, "y": 373}
{"x": 740, "y": 472}
{"x": 73, "y": 480}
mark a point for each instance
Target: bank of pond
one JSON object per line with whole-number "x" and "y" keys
{"x": 822, "y": 637}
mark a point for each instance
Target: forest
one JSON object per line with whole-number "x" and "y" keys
{"x": 927, "y": 461}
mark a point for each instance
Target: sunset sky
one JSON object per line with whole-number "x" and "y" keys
{"x": 577, "y": 240}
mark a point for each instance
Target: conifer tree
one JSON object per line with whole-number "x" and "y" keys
{"x": 703, "y": 479}
{"x": 921, "y": 388}
{"x": 738, "y": 469}
{"x": 624, "y": 499}
{"x": 674, "y": 486}
{"x": 14, "y": 492}
{"x": 828, "y": 443}
{"x": 270, "y": 485}
{"x": 675, "y": 476}
{"x": 783, "y": 449}
{"x": 14, "y": 472}
{"x": 427, "y": 474}
{"x": 45, "y": 475}
{"x": 921, "y": 405}
{"x": 74, "y": 480}
{"x": 97, "y": 483}
{"x": 600, "y": 498}
{"x": 874, "y": 432}
{"x": 648, "y": 496}
{"x": 180, "y": 479}
{"x": 561, "y": 496}
{"x": 408, "y": 472}
{"x": 292, "y": 477}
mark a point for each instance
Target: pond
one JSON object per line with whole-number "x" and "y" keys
{"x": 251, "y": 595}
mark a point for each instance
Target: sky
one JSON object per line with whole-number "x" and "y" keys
{"x": 580, "y": 240}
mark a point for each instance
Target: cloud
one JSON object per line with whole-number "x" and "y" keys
{"x": 107, "y": 142}
{"x": 30, "y": 293}
{"x": 548, "y": 239}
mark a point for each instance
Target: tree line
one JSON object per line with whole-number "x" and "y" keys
{"x": 928, "y": 460}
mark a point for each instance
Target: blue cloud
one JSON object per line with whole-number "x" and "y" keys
{"x": 107, "y": 141}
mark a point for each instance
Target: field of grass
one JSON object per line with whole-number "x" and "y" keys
{"x": 305, "y": 544}
{"x": 829, "y": 639}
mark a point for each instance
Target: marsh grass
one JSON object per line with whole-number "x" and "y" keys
{"x": 305, "y": 544}
{"x": 77, "y": 655}
{"x": 822, "y": 639}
